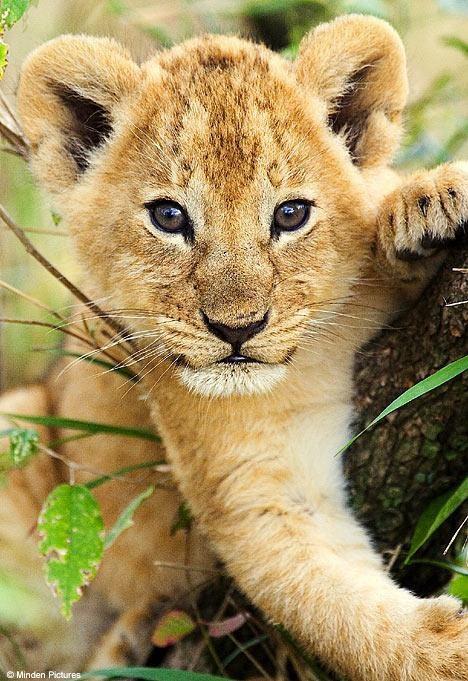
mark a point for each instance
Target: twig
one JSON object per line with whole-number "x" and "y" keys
{"x": 50, "y": 232}
{"x": 90, "y": 342}
{"x": 243, "y": 649}
{"x": 393, "y": 557}
{"x": 203, "y": 644}
{"x": 47, "y": 325}
{"x": 30, "y": 299}
{"x": 187, "y": 568}
{"x": 14, "y": 137}
{"x": 30, "y": 248}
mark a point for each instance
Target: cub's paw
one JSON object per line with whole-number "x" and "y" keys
{"x": 425, "y": 215}
{"x": 439, "y": 641}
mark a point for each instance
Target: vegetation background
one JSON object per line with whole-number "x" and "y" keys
{"x": 437, "y": 127}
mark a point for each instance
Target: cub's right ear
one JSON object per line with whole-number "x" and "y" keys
{"x": 71, "y": 92}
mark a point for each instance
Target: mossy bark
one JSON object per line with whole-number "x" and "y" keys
{"x": 421, "y": 451}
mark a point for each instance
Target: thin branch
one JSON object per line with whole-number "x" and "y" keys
{"x": 75, "y": 466}
{"x": 185, "y": 568}
{"x": 47, "y": 325}
{"x": 50, "y": 232}
{"x": 11, "y": 131}
{"x": 30, "y": 299}
{"x": 32, "y": 250}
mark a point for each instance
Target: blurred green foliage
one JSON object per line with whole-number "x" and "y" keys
{"x": 281, "y": 24}
{"x": 422, "y": 148}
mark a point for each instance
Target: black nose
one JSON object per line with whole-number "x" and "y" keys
{"x": 235, "y": 335}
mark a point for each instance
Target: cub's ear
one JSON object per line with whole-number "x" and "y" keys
{"x": 357, "y": 65}
{"x": 71, "y": 93}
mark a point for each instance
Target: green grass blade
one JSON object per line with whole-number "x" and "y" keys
{"x": 150, "y": 674}
{"x": 425, "y": 386}
{"x": 444, "y": 564}
{"x": 115, "y": 368}
{"x": 87, "y": 426}
{"x": 91, "y": 484}
{"x": 457, "y": 43}
{"x": 243, "y": 646}
{"x": 434, "y": 515}
{"x": 125, "y": 519}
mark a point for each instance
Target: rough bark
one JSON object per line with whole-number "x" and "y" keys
{"x": 421, "y": 451}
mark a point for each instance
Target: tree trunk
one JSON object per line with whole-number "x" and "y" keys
{"x": 421, "y": 451}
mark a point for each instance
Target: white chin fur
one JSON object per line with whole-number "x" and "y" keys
{"x": 224, "y": 380}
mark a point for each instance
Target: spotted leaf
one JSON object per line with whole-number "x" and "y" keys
{"x": 72, "y": 541}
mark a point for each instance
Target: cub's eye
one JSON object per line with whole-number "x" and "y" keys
{"x": 169, "y": 216}
{"x": 290, "y": 215}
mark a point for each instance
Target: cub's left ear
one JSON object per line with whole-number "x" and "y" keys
{"x": 357, "y": 65}
{"x": 72, "y": 93}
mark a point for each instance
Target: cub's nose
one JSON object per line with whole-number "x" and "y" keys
{"x": 235, "y": 335}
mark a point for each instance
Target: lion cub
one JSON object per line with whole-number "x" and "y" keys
{"x": 227, "y": 204}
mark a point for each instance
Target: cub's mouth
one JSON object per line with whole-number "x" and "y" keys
{"x": 238, "y": 358}
{"x": 234, "y": 375}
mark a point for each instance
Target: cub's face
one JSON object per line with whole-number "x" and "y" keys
{"x": 216, "y": 194}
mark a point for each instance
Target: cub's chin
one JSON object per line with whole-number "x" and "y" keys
{"x": 228, "y": 379}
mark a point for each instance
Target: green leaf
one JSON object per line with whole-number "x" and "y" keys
{"x": 11, "y": 11}
{"x": 3, "y": 57}
{"x": 151, "y": 674}
{"x": 72, "y": 541}
{"x": 125, "y": 519}
{"x": 23, "y": 445}
{"x": 425, "y": 386}
{"x": 56, "y": 218}
{"x": 172, "y": 628}
{"x": 183, "y": 519}
{"x": 88, "y": 426}
{"x": 435, "y": 514}
{"x": 457, "y": 43}
{"x": 458, "y": 587}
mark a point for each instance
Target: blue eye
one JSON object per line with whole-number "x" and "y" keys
{"x": 169, "y": 216}
{"x": 290, "y": 215}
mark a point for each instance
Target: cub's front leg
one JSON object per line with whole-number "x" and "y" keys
{"x": 419, "y": 220}
{"x": 297, "y": 553}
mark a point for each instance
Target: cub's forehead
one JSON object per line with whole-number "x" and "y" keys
{"x": 221, "y": 105}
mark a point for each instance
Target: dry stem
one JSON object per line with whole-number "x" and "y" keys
{"x": 11, "y": 131}
{"x": 32, "y": 250}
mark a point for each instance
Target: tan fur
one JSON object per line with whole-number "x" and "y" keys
{"x": 230, "y": 130}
